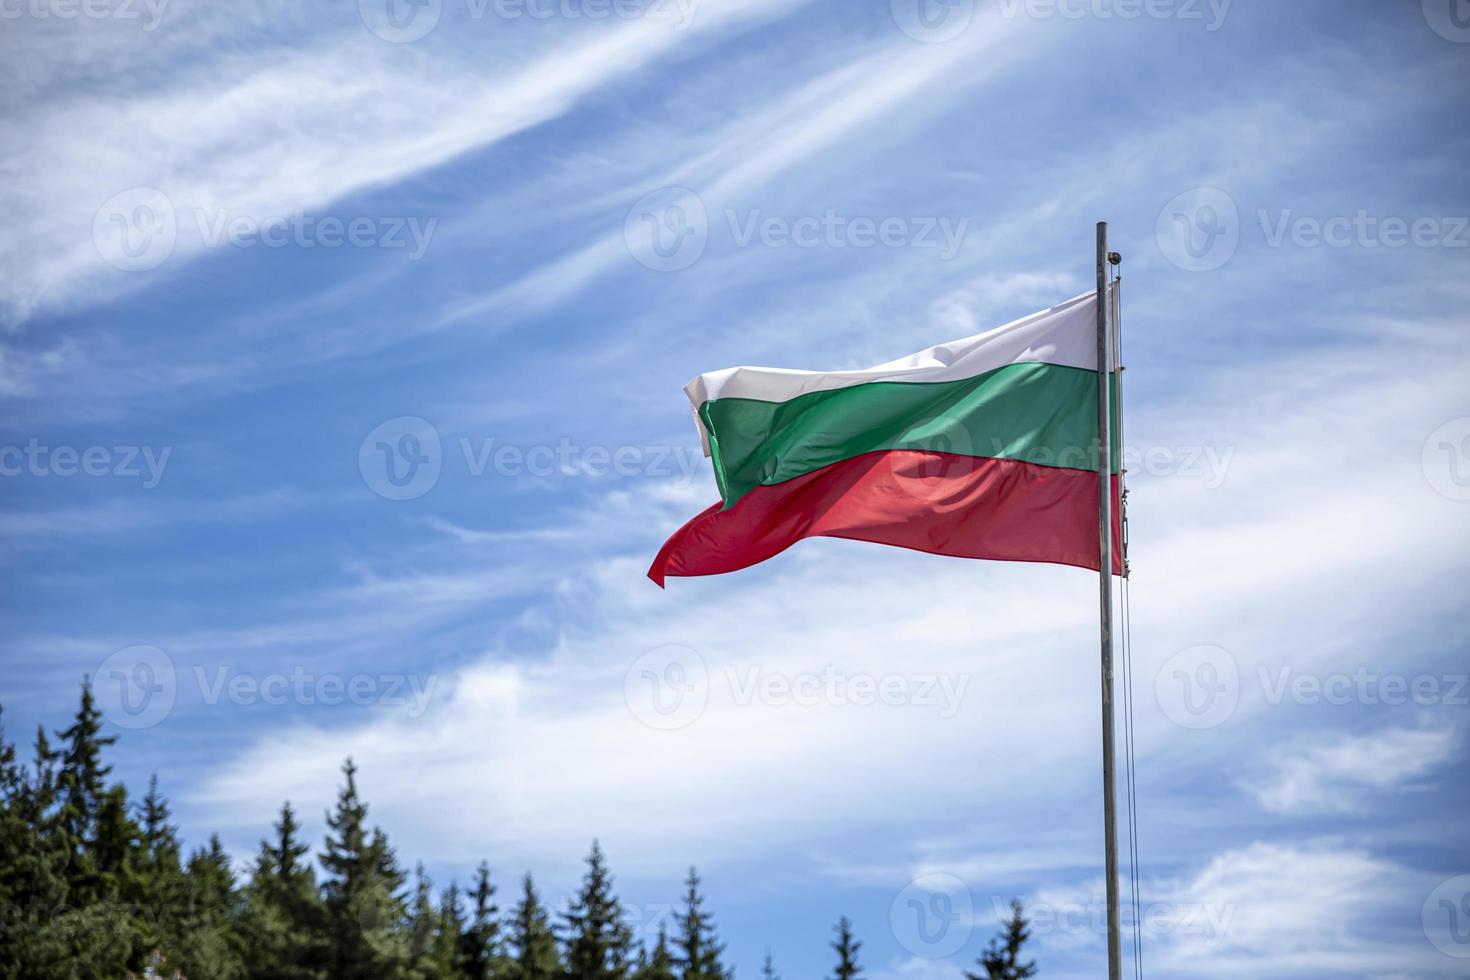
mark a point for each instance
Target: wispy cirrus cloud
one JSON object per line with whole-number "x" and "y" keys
{"x": 252, "y": 139}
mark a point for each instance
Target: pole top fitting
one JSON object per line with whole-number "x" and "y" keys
{"x": 1116, "y": 258}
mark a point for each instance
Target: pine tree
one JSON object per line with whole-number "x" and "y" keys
{"x": 480, "y": 939}
{"x": 80, "y": 784}
{"x": 94, "y": 837}
{"x": 659, "y": 964}
{"x": 846, "y": 949}
{"x": 768, "y": 968}
{"x": 114, "y": 856}
{"x": 532, "y": 945}
{"x": 284, "y": 922}
{"x": 699, "y": 949}
{"x": 423, "y": 919}
{"x": 597, "y": 938}
{"x": 160, "y": 869}
{"x": 209, "y": 943}
{"x": 35, "y": 941}
{"x": 22, "y": 872}
{"x": 1002, "y": 959}
{"x": 365, "y": 912}
{"x": 449, "y": 930}
{"x": 434, "y": 931}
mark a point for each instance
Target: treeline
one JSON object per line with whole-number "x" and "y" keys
{"x": 95, "y": 886}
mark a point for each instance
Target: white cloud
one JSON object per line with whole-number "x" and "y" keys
{"x": 239, "y": 136}
{"x": 853, "y": 102}
{"x": 1337, "y": 774}
{"x": 1265, "y": 910}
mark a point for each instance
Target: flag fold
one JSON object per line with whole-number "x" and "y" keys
{"x": 980, "y": 448}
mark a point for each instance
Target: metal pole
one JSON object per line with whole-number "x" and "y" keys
{"x": 1105, "y": 595}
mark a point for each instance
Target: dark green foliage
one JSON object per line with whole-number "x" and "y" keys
{"x": 597, "y": 939}
{"x": 533, "y": 954}
{"x": 366, "y": 914}
{"x": 210, "y": 946}
{"x": 768, "y": 968}
{"x": 698, "y": 948}
{"x": 479, "y": 939}
{"x": 80, "y": 786}
{"x": 1002, "y": 959}
{"x": 449, "y": 928}
{"x": 846, "y": 949}
{"x": 284, "y": 921}
{"x": 70, "y": 872}
{"x": 93, "y": 887}
{"x": 658, "y": 964}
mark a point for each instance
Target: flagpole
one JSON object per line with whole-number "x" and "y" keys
{"x": 1105, "y": 595}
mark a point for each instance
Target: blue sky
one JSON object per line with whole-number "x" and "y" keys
{"x": 248, "y": 243}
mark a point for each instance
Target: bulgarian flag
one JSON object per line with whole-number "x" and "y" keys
{"x": 982, "y": 448}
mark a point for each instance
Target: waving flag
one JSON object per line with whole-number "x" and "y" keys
{"x": 982, "y": 448}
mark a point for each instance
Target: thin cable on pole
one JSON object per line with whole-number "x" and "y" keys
{"x": 1132, "y": 779}
{"x": 1130, "y": 765}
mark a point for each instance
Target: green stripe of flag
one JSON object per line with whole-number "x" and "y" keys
{"x": 1044, "y": 414}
